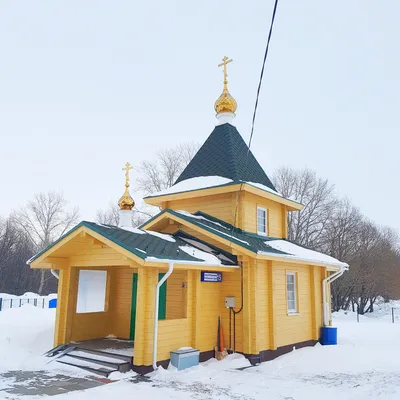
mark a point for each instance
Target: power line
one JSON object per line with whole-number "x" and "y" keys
{"x": 256, "y": 104}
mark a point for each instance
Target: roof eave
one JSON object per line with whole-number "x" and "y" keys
{"x": 226, "y": 188}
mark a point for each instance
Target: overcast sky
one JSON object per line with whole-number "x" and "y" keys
{"x": 87, "y": 85}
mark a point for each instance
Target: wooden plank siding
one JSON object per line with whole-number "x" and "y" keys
{"x": 176, "y": 295}
{"x": 292, "y": 328}
{"x": 248, "y": 214}
{"x": 219, "y": 205}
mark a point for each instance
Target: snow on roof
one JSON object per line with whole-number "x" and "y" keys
{"x": 164, "y": 236}
{"x": 204, "y": 182}
{"x": 201, "y": 182}
{"x": 200, "y": 254}
{"x": 200, "y": 217}
{"x": 131, "y": 229}
{"x": 188, "y": 214}
{"x": 300, "y": 253}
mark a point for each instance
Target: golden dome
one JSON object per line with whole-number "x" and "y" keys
{"x": 126, "y": 201}
{"x": 225, "y": 102}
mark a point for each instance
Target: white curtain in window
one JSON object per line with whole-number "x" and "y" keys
{"x": 91, "y": 291}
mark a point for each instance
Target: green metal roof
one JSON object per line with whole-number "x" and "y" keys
{"x": 248, "y": 240}
{"x": 144, "y": 244}
{"x": 226, "y": 154}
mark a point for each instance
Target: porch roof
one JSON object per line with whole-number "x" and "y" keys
{"x": 152, "y": 246}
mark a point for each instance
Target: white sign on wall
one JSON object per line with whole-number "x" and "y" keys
{"x": 92, "y": 287}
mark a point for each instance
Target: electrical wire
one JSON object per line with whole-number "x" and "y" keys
{"x": 256, "y": 105}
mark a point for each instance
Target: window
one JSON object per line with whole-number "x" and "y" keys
{"x": 91, "y": 291}
{"x": 291, "y": 292}
{"x": 262, "y": 221}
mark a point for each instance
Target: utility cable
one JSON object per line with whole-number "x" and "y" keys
{"x": 256, "y": 105}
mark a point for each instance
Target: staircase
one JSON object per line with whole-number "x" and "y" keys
{"x": 95, "y": 361}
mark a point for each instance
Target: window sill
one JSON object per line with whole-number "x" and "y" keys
{"x": 293, "y": 313}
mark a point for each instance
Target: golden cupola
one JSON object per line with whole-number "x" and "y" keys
{"x": 126, "y": 201}
{"x": 225, "y": 103}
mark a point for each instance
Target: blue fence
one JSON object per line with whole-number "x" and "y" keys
{"x": 40, "y": 302}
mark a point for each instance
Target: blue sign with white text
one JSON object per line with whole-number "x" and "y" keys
{"x": 211, "y": 276}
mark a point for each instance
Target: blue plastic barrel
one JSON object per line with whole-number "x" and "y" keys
{"x": 328, "y": 335}
{"x": 53, "y": 303}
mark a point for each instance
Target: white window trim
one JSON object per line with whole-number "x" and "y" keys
{"x": 294, "y": 311}
{"x": 266, "y": 221}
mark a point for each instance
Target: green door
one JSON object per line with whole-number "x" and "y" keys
{"x": 162, "y": 303}
{"x": 133, "y": 308}
{"x": 162, "y": 300}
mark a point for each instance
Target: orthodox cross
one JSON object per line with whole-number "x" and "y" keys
{"x": 225, "y": 61}
{"x": 127, "y": 168}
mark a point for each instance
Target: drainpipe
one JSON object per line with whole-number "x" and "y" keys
{"x": 155, "y": 337}
{"x": 55, "y": 274}
{"x": 327, "y": 281}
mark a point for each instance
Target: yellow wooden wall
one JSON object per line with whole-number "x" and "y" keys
{"x": 230, "y": 286}
{"x": 248, "y": 214}
{"x": 176, "y": 295}
{"x": 172, "y": 334}
{"x": 73, "y": 326}
{"x": 121, "y": 293}
{"x": 219, "y": 206}
{"x": 223, "y": 206}
{"x": 291, "y": 329}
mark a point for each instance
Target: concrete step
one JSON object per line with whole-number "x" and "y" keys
{"x": 101, "y": 359}
{"x": 87, "y": 366}
{"x": 108, "y": 353}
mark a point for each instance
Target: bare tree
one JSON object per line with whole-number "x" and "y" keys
{"x": 162, "y": 172}
{"x": 316, "y": 194}
{"x": 15, "y": 249}
{"x": 45, "y": 219}
{"x": 110, "y": 216}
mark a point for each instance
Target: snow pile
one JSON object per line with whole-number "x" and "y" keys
{"x": 25, "y": 334}
{"x": 301, "y": 253}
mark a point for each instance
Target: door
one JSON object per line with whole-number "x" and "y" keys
{"x": 133, "y": 308}
{"x": 162, "y": 300}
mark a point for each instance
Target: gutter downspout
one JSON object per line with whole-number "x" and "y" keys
{"x": 55, "y": 274}
{"x": 325, "y": 282}
{"x": 155, "y": 337}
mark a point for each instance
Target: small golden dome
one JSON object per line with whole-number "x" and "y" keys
{"x": 126, "y": 201}
{"x": 225, "y": 102}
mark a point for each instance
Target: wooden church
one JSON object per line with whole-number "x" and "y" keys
{"x": 218, "y": 249}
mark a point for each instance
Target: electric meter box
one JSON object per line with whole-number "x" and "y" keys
{"x": 230, "y": 302}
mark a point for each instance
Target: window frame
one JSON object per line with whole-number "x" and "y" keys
{"x": 265, "y": 210}
{"x": 295, "y": 310}
{"x": 84, "y": 310}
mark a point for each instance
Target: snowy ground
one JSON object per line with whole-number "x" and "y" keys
{"x": 364, "y": 365}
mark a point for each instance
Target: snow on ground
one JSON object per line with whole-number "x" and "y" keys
{"x": 364, "y": 365}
